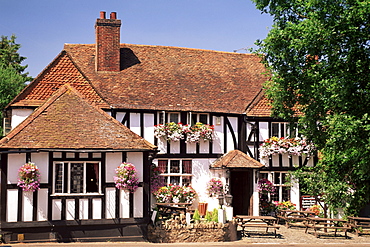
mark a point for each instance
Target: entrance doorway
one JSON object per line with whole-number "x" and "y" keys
{"x": 241, "y": 188}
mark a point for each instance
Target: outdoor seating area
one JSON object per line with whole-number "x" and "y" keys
{"x": 305, "y": 220}
{"x": 265, "y": 222}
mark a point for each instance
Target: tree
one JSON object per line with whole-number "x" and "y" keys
{"x": 12, "y": 76}
{"x": 318, "y": 55}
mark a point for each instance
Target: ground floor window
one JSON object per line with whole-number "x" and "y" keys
{"x": 177, "y": 172}
{"x": 76, "y": 177}
{"x": 279, "y": 180}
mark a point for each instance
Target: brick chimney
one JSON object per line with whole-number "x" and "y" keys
{"x": 107, "y": 43}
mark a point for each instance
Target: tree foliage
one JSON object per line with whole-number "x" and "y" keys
{"x": 318, "y": 54}
{"x": 12, "y": 75}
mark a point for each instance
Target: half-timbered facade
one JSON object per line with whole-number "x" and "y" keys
{"x": 139, "y": 86}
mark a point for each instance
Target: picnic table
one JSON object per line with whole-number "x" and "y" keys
{"x": 294, "y": 217}
{"x": 245, "y": 221}
{"x": 327, "y": 223}
{"x": 359, "y": 224}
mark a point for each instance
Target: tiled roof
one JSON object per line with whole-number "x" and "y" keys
{"x": 170, "y": 78}
{"x": 236, "y": 159}
{"x": 67, "y": 121}
{"x": 61, "y": 71}
{"x": 260, "y": 107}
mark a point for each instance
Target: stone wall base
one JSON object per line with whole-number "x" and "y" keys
{"x": 177, "y": 231}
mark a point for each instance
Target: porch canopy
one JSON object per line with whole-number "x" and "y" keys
{"x": 235, "y": 159}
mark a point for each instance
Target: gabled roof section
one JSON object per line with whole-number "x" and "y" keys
{"x": 236, "y": 159}
{"x": 175, "y": 79}
{"x": 67, "y": 121}
{"x": 260, "y": 107}
{"x": 59, "y": 72}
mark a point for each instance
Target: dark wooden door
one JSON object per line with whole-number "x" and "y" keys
{"x": 241, "y": 188}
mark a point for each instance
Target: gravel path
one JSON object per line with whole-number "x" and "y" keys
{"x": 298, "y": 235}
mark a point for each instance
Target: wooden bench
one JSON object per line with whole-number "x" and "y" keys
{"x": 294, "y": 217}
{"x": 257, "y": 222}
{"x": 359, "y": 224}
{"x": 327, "y": 223}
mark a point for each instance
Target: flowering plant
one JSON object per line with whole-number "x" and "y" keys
{"x": 316, "y": 209}
{"x": 175, "y": 194}
{"x": 29, "y": 177}
{"x": 169, "y": 131}
{"x": 214, "y": 187}
{"x": 177, "y": 131}
{"x": 285, "y": 205}
{"x": 290, "y": 146}
{"x": 156, "y": 180}
{"x": 265, "y": 186}
{"x": 199, "y": 131}
{"x": 126, "y": 177}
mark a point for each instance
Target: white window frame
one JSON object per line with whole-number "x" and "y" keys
{"x": 167, "y": 176}
{"x": 280, "y": 186}
{"x": 191, "y": 116}
{"x": 284, "y": 129}
{"x": 69, "y": 178}
{"x": 162, "y": 117}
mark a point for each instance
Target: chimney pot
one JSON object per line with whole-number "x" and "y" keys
{"x": 113, "y": 15}
{"x": 102, "y": 14}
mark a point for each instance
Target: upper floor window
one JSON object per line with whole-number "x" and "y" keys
{"x": 194, "y": 118}
{"x": 171, "y": 117}
{"x": 77, "y": 177}
{"x": 283, "y": 130}
{"x": 177, "y": 172}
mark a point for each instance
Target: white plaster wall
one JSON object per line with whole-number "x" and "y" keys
{"x": 42, "y": 205}
{"x": 12, "y": 205}
{"x": 218, "y": 141}
{"x": 15, "y": 161}
{"x": 264, "y": 131}
{"x": 57, "y": 209}
{"x": 70, "y": 206}
{"x": 149, "y": 127}
{"x": 110, "y": 203}
{"x": 201, "y": 175}
{"x": 191, "y": 148}
{"x": 230, "y": 142}
{"x": 162, "y": 146}
{"x": 204, "y": 147}
{"x": 175, "y": 147}
{"x": 138, "y": 202}
{"x": 27, "y": 205}
{"x": 125, "y": 204}
{"x": 294, "y": 193}
{"x": 136, "y": 158}
{"x": 120, "y": 116}
{"x": 41, "y": 161}
{"x": 135, "y": 123}
{"x": 83, "y": 208}
{"x": 113, "y": 160}
{"x": 18, "y": 115}
{"x": 97, "y": 207}
{"x": 249, "y": 129}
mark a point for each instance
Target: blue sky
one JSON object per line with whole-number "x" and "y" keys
{"x": 42, "y": 27}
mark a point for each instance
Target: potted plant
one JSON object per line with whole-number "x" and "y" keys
{"x": 126, "y": 177}
{"x": 29, "y": 177}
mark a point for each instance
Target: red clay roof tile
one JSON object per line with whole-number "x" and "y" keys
{"x": 67, "y": 121}
{"x": 236, "y": 159}
{"x": 159, "y": 78}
